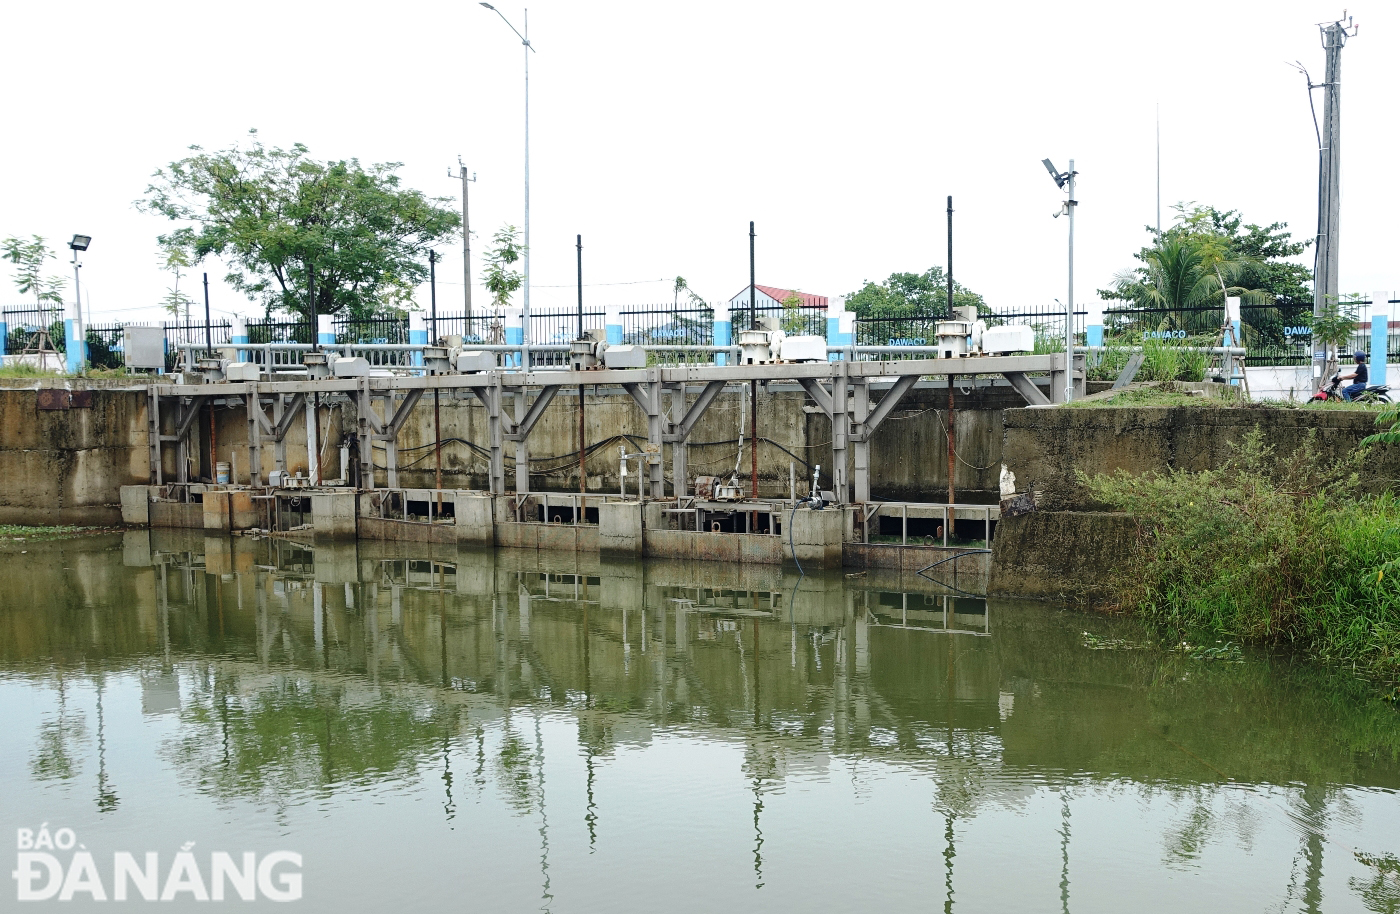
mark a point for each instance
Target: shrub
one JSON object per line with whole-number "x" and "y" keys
{"x": 1266, "y": 548}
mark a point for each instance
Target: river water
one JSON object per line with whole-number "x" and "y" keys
{"x": 433, "y": 730}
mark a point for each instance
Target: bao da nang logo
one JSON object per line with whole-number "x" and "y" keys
{"x": 55, "y": 866}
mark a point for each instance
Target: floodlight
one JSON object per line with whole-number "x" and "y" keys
{"x": 80, "y": 242}
{"x": 1054, "y": 172}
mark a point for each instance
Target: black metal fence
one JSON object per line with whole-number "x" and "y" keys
{"x": 906, "y": 328}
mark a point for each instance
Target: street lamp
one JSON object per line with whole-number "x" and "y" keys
{"x": 79, "y": 243}
{"x": 1065, "y": 181}
{"x": 529, "y": 49}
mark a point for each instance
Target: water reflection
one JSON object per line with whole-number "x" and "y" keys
{"x": 301, "y": 675}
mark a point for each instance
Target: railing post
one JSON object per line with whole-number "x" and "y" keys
{"x": 612, "y": 324}
{"x": 723, "y": 331}
{"x": 239, "y": 334}
{"x": 840, "y": 325}
{"x": 417, "y": 336}
{"x": 1380, "y": 335}
{"x": 75, "y": 346}
{"x": 515, "y": 334}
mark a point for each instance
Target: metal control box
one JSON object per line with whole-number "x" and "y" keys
{"x": 143, "y": 347}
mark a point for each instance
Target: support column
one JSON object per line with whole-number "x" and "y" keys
{"x": 860, "y": 440}
{"x": 366, "y": 439}
{"x": 182, "y": 447}
{"x": 655, "y": 422}
{"x": 522, "y": 446}
{"x": 491, "y": 397}
{"x": 313, "y": 445}
{"x": 391, "y": 444}
{"x": 1380, "y": 335}
{"x": 255, "y": 419}
{"x": 153, "y": 433}
{"x": 680, "y": 478}
{"x": 279, "y": 446}
{"x": 840, "y": 433}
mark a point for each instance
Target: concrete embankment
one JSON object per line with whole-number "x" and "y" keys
{"x": 1069, "y": 546}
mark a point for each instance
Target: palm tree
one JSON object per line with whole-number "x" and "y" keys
{"x": 1183, "y": 273}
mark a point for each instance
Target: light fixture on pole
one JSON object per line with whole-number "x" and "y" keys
{"x": 529, "y": 49}
{"x": 79, "y": 243}
{"x": 1065, "y": 181}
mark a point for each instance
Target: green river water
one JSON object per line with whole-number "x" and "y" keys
{"x": 431, "y": 730}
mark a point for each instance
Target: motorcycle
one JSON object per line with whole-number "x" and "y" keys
{"x": 1376, "y": 393}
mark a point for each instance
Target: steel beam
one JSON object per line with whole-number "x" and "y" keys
{"x": 1027, "y": 388}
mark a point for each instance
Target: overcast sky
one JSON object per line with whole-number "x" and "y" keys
{"x": 658, "y": 130}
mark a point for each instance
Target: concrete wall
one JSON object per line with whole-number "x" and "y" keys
{"x": 1050, "y": 447}
{"x": 1064, "y": 549}
{"x": 67, "y": 466}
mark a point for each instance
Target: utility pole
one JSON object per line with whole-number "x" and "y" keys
{"x": 1329, "y": 197}
{"x": 466, "y": 241}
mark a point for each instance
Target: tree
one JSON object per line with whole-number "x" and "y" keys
{"x": 792, "y": 321}
{"x": 1185, "y": 267}
{"x": 284, "y": 221}
{"x": 28, "y": 258}
{"x": 502, "y": 280}
{"x": 912, "y": 295}
{"x": 175, "y": 259}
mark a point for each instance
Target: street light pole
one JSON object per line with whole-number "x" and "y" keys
{"x": 1069, "y": 305}
{"x": 529, "y": 49}
{"x": 1065, "y": 181}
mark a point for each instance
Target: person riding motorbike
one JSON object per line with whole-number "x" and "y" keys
{"x": 1361, "y": 375}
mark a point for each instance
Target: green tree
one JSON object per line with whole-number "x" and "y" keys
{"x": 283, "y": 220}
{"x": 175, "y": 259}
{"x": 28, "y": 258}
{"x": 502, "y": 279}
{"x": 913, "y": 295}
{"x": 1186, "y": 265}
{"x": 792, "y": 321}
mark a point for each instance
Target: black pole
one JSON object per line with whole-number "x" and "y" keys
{"x": 580, "y": 287}
{"x": 208, "y": 325}
{"x": 950, "y": 258}
{"x": 753, "y": 290}
{"x": 311, "y": 307}
{"x": 432, "y": 292}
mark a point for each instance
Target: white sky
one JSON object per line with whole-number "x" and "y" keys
{"x": 660, "y": 129}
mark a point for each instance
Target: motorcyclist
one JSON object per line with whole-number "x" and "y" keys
{"x": 1361, "y": 375}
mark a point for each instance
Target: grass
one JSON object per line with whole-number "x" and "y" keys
{"x": 1270, "y": 549}
{"x": 22, "y": 370}
{"x": 64, "y": 531}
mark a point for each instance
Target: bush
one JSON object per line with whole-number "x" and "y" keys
{"x": 1267, "y": 549}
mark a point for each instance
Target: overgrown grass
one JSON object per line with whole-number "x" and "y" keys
{"x": 1267, "y": 548}
{"x": 23, "y": 370}
{"x": 20, "y": 532}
